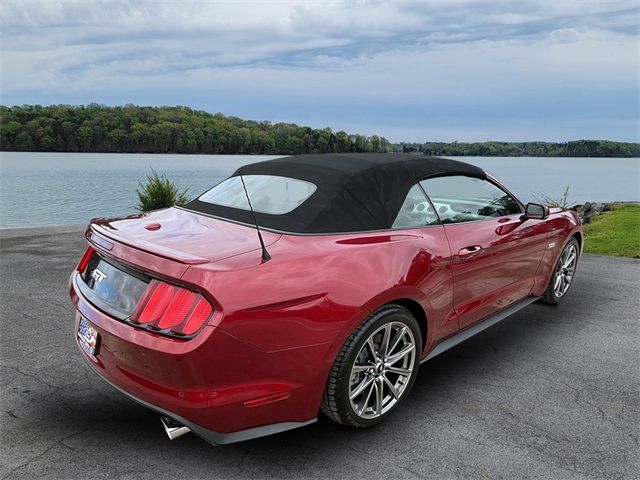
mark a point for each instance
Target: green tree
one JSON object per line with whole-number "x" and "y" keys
{"x": 24, "y": 142}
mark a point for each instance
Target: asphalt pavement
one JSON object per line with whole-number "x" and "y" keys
{"x": 552, "y": 392}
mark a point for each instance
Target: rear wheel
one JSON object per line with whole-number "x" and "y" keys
{"x": 563, "y": 273}
{"x": 375, "y": 368}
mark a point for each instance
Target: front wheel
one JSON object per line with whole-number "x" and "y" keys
{"x": 563, "y": 273}
{"x": 375, "y": 368}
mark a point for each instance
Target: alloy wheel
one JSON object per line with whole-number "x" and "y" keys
{"x": 382, "y": 370}
{"x": 565, "y": 270}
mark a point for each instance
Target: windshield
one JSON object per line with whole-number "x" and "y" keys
{"x": 268, "y": 193}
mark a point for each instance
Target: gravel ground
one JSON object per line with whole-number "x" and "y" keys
{"x": 549, "y": 393}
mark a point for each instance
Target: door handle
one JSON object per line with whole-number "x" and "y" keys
{"x": 466, "y": 251}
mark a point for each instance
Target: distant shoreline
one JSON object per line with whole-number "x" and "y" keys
{"x": 98, "y": 128}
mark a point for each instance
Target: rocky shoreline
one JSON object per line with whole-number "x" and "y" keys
{"x": 589, "y": 210}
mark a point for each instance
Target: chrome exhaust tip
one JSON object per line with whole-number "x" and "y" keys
{"x": 173, "y": 428}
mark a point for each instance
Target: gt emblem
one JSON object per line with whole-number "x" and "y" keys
{"x": 551, "y": 245}
{"x": 98, "y": 276}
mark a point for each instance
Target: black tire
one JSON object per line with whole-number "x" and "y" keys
{"x": 336, "y": 403}
{"x": 551, "y": 295}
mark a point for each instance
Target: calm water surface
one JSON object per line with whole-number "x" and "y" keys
{"x": 46, "y": 189}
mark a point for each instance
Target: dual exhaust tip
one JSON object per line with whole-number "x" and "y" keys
{"x": 173, "y": 428}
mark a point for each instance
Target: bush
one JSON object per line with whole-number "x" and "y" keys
{"x": 159, "y": 192}
{"x": 562, "y": 202}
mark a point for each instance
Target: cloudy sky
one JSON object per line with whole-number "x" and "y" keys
{"x": 409, "y": 70}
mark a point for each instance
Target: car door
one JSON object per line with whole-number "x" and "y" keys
{"x": 430, "y": 268}
{"x": 495, "y": 252}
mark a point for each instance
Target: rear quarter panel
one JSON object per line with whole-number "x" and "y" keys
{"x": 318, "y": 289}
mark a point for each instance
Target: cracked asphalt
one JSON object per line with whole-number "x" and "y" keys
{"x": 549, "y": 393}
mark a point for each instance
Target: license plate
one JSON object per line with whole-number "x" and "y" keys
{"x": 88, "y": 336}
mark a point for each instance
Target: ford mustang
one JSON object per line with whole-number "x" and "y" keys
{"x": 308, "y": 284}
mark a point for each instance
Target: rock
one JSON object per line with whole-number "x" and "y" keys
{"x": 587, "y": 210}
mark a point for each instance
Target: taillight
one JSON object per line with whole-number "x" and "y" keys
{"x": 84, "y": 261}
{"x": 171, "y": 309}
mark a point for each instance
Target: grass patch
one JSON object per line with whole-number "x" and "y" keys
{"x": 616, "y": 232}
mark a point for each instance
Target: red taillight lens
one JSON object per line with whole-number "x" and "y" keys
{"x": 174, "y": 309}
{"x": 84, "y": 261}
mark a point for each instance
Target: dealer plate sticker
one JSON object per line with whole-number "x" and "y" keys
{"x": 88, "y": 336}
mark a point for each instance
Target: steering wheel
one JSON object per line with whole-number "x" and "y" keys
{"x": 421, "y": 208}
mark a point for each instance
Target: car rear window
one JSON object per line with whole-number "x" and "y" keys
{"x": 269, "y": 194}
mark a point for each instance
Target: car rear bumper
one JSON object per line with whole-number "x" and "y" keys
{"x": 220, "y": 387}
{"x": 211, "y": 436}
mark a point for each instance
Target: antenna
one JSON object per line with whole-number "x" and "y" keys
{"x": 265, "y": 254}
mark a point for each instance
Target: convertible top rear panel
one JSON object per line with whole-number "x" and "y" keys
{"x": 355, "y": 192}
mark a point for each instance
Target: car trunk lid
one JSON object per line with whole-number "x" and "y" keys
{"x": 182, "y": 236}
{"x": 128, "y": 253}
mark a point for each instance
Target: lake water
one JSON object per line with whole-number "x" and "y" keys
{"x": 47, "y": 189}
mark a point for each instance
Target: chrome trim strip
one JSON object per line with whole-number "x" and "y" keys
{"x": 477, "y": 327}
{"x": 214, "y": 438}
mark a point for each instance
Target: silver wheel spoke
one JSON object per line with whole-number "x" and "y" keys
{"x": 384, "y": 348}
{"x": 391, "y": 359}
{"x": 556, "y": 284}
{"x": 360, "y": 368}
{"x": 361, "y": 387}
{"x": 392, "y": 389}
{"x": 366, "y": 400}
{"x": 564, "y": 256}
{"x": 372, "y": 348}
{"x": 569, "y": 260}
{"x": 379, "y": 397}
{"x": 397, "y": 340}
{"x": 400, "y": 371}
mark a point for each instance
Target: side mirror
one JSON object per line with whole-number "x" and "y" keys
{"x": 536, "y": 211}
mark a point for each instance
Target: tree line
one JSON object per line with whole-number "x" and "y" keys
{"x": 577, "y": 148}
{"x": 136, "y": 129}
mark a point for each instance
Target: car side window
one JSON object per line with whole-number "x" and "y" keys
{"x": 416, "y": 211}
{"x": 464, "y": 199}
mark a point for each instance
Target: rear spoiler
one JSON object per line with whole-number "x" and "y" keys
{"x": 96, "y": 233}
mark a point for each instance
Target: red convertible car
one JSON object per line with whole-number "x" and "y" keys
{"x": 310, "y": 283}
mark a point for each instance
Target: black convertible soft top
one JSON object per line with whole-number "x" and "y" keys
{"x": 355, "y": 191}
